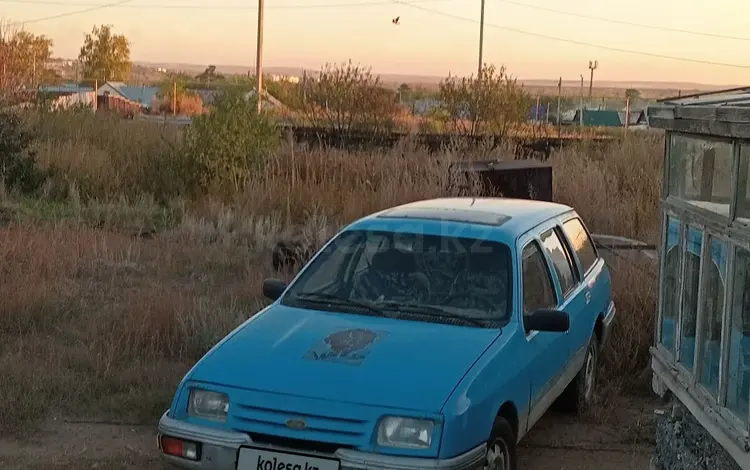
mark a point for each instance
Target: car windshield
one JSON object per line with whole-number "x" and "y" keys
{"x": 436, "y": 278}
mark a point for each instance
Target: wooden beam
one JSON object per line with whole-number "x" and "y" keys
{"x": 706, "y": 127}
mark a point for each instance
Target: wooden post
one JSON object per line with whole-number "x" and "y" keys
{"x": 627, "y": 112}
{"x": 559, "y": 117}
{"x": 96, "y": 95}
{"x": 174, "y": 99}
{"x": 259, "y": 57}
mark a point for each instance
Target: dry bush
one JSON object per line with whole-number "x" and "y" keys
{"x": 98, "y": 322}
{"x": 188, "y": 104}
{"x": 615, "y": 187}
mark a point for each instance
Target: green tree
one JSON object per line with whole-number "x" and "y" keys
{"x": 105, "y": 56}
{"x": 18, "y": 164}
{"x": 348, "y": 97}
{"x": 230, "y": 144}
{"x": 493, "y": 103}
{"x": 632, "y": 93}
{"x": 23, "y": 59}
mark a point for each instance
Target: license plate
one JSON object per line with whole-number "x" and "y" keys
{"x": 253, "y": 458}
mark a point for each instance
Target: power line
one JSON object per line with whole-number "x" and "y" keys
{"x": 628, "y": 23}
{"x": 70, "y": 13}
{"x": 300, "y": 6}
{"x": 574, "y": 41}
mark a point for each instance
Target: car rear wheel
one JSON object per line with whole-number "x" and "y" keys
{"x": 579, "y": 395}
{"x": 501, "y": 448}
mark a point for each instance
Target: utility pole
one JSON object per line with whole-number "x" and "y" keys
{"x": 559, "y": 117}
{"x": 481, "y": 39}
{"x": 580, "y": 118}
{"x": 259, "y": 57}
{"x": 592, "y": 66}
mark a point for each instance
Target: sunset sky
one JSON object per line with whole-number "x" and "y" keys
{"x": 310, "y": 32}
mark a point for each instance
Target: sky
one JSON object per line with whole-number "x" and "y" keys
{"x": 434, "y": 37}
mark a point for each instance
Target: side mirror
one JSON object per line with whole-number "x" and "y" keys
{"x": 548, "y": 320}
{"x": 273, "y": 288}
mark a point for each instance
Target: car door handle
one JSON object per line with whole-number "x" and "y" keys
{"x": 587, "y": 296}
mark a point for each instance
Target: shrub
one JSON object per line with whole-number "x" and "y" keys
{"x": 18, "y": 164}
{"x": 230, "y": 144}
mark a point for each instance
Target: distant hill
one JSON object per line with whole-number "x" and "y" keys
{"x": 434, "y": 80}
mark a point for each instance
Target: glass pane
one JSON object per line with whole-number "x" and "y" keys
{"x": 743, "y": 183}
{"x": 690, "y": 284}
{"x": 700, "y": 172}
{"x": 538, "y": 290}
{"x": 581, "y": 243}
{"x": 738, "y": 392}
{"x": 713, "y": 308}
{"x": 671, "y": 282}
{"x": 560, "y": 260}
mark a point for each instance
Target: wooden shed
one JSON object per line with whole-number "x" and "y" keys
{"x": 702, "y": 340}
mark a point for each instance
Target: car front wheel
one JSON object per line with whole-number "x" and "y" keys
{"x": 501, "y": 448}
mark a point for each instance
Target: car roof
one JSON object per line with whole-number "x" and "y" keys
{"x": 511, "y": 216}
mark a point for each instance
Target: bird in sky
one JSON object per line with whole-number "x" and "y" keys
{"x": 395, "y": 20}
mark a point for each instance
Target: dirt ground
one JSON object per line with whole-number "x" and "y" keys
{"x": 558, "y": 442}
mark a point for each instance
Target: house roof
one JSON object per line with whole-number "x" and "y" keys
{"x": 599, "y": 117}
{"x": 65, "y": 88}
{"x": 144, "y": 95}
{"x": 724, "y": 113}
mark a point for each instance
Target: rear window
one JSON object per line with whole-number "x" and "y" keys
{"x": 581, "y": 243}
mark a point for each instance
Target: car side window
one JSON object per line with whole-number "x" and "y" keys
{"x": 581, "y": 243}
{"x": 538, "y": 289}
{"x": 561, "y": 260}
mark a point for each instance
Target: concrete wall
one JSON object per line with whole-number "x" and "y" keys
{"x": 682, "y": 443}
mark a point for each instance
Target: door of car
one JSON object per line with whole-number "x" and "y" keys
{"x": 571, "y": 293}
{"x": 592, "y": 298}
{"x": 548, "y": 351}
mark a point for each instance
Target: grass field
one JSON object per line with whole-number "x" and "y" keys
{"x": 109, "y": 297}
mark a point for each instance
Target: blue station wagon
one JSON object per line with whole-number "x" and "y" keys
{"x": 431, "y": 335}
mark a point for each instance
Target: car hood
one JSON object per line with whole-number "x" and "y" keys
{"x": 346, "y": 357}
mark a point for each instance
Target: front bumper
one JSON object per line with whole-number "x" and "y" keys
{"x": 607, "y": 323}
{"x": 220, "y": 448}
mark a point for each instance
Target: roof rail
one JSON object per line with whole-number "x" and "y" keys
{"x": 704, "y": 93}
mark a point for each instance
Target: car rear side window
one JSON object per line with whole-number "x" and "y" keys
{"x": 561, "y": 260}
{"x": 581, "y": 243}
{"x": 538, "y": 290}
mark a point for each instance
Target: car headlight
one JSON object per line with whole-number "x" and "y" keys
{"x": 208, "y": 405}
{"x": 407, "y": 433}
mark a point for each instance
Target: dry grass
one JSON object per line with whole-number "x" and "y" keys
{"x": 98, "y": 322}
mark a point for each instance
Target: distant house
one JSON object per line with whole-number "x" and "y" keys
{"x": 538, "y": 113}
{"x": 142, "y": 95}
{"x": 208, "y": 97}
{"x": 637, "y": 117}
{"x": 599, "y": 118}
{"x": 423, "y": 107}
{"x": 67, "y": 95}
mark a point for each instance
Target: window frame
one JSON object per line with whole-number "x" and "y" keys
{"x": 583, "y": 273}
{"x": 733, "y": 235}
{"x": 566, "y": 294}
{"x": 550, "y": 278}
{"x": 732, "y": 177}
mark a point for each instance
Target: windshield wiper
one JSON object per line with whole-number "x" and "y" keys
{"x": 430, "y": 311}
{"x": 336, "y": 300}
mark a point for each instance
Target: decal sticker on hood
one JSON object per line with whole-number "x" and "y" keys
{"x": 346, "y": 346}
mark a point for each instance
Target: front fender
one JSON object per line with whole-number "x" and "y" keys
{"x": 499, "y": 376}
{"x": 174, "y": 406}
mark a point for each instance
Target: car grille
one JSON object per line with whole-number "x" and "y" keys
{"x": 322, "y": 433}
